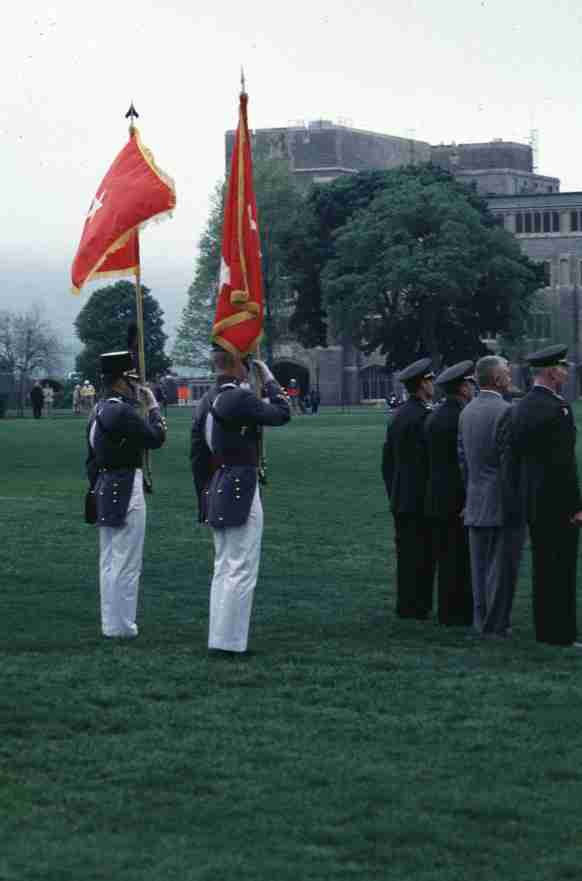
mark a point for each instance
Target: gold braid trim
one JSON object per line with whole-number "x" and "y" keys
{"x": 130, "y": 270}
{"x": 232, "y": 321}
{"x": 239, "y": 297}
{"x": 149, "y": 158}
{"x": 225, "y": 344}
{"x": 94, "y": 273}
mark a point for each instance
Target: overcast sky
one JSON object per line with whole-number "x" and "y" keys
{"x": 457, "y": 70}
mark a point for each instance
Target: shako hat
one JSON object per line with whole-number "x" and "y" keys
{"x": 115, "y": 364}
{"x": 419, "y": 370}
{"x": 457, "y": 373}
{"x": 553, "y": 356}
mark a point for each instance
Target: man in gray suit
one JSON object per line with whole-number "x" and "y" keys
{"x": 496, "y": 530}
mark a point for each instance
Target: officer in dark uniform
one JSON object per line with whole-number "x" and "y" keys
{"x": 225, "y": 463}
{"x": 544, "y": 441}
{"x": 405, "y": 473}
{"x": 118, "y": 436}
{"x": 445, "y": 497}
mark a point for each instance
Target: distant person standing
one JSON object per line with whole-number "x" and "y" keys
{"x": 85, "y": 394}
{"x": 496, "y": 530}
{"x": 545, "y": 451}
{"x": 77, "y": 399}
{"x": 48, "y": 396}
{"x": 445, "y": 497}
{"x": 315, "y": 401}
{"x": 293, "y": 393}
{"x": 37, "y": 400}
{"x": 91, "y": 396}
{"x": 405, "y": 474}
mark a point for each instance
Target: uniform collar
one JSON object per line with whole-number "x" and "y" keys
{"x": 490, "y": 391}
{"x": 546, "y": 388}
{"x": 227, "y": 380}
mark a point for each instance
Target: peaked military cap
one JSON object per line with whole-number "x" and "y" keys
{"x": 550, "y": 357}
{"x": 115, "y": 364}
{"x": 418, "y": 370}
{"x": 456, "y": 373}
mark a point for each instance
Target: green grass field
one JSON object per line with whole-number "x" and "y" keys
{"x": 349, "y": 745}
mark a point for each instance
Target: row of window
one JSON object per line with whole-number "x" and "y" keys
{"x": 543, "y": 221}
{"x": 537, "y": 221}
{"x": 564, "y": 273}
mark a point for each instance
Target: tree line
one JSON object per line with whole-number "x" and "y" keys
{"x": 409, "y": 262}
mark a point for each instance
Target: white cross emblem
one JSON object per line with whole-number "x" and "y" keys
{"x": 96, "y": 204}
{"x": 224, "y": 274}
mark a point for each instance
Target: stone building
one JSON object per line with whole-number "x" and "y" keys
{"x": 546, "y": 222}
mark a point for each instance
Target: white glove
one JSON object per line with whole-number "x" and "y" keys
{"x": 266, "y": 374}
{"x": 148, "y": 398}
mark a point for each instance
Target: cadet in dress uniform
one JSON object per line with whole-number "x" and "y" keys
{"x": 225, "y": 459}
{"x": 445, "y": 497}
{"x": 118, "y": 436}
{"x": 405, "y": 473}
{"x": 544, "y": 435}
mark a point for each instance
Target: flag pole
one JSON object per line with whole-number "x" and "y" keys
{"x": 147, "y": 472}
{"x": 261, "y": 445}
{"x": 131, "y": 115}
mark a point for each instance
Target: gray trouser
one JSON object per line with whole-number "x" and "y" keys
{"x": 495, "y": 557}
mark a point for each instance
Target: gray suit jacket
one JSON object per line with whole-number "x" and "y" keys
{"x": 484, "y": 452}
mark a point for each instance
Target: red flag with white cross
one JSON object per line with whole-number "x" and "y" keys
{"x": 133, "y": 191}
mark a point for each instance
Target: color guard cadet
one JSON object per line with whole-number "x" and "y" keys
{"x": 445, "y": 497}
{"x": 544, "y": 435}
{"x": 405, "y": 473}
{"x": 225, "y": 460}
{"x": 118, "y": 436}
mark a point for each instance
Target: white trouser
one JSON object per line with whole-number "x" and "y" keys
{"x": 120, "y": 562}
{"x": 237, "y": 551}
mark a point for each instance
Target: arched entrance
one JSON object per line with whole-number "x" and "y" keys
{"x": 285, "y": 371}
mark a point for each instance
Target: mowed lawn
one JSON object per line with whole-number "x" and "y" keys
{"x": 349, "y": 745}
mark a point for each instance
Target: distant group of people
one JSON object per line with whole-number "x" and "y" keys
{"x": 465, "y": 480}
{"x": 84, "y": 396}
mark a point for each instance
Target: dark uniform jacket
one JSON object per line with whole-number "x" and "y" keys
{"x": 544, "y": 440}
{"x": 225, "y": 475}
{"x": 445, "y": 490}
{"x": 405, "y": 458}
{"x": 119, "y": 439}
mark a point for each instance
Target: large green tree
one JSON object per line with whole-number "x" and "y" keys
{"x": 411, "y": 262}
{"x": 192, "y": 344}
{"x": 103, "y": 322}
{"x": 280, "y": 209}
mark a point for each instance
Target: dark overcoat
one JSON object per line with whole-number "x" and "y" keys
{"x": 405, "y": 458}
{"x": 544, "y": 443}
{"x": 445, "y": 490}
